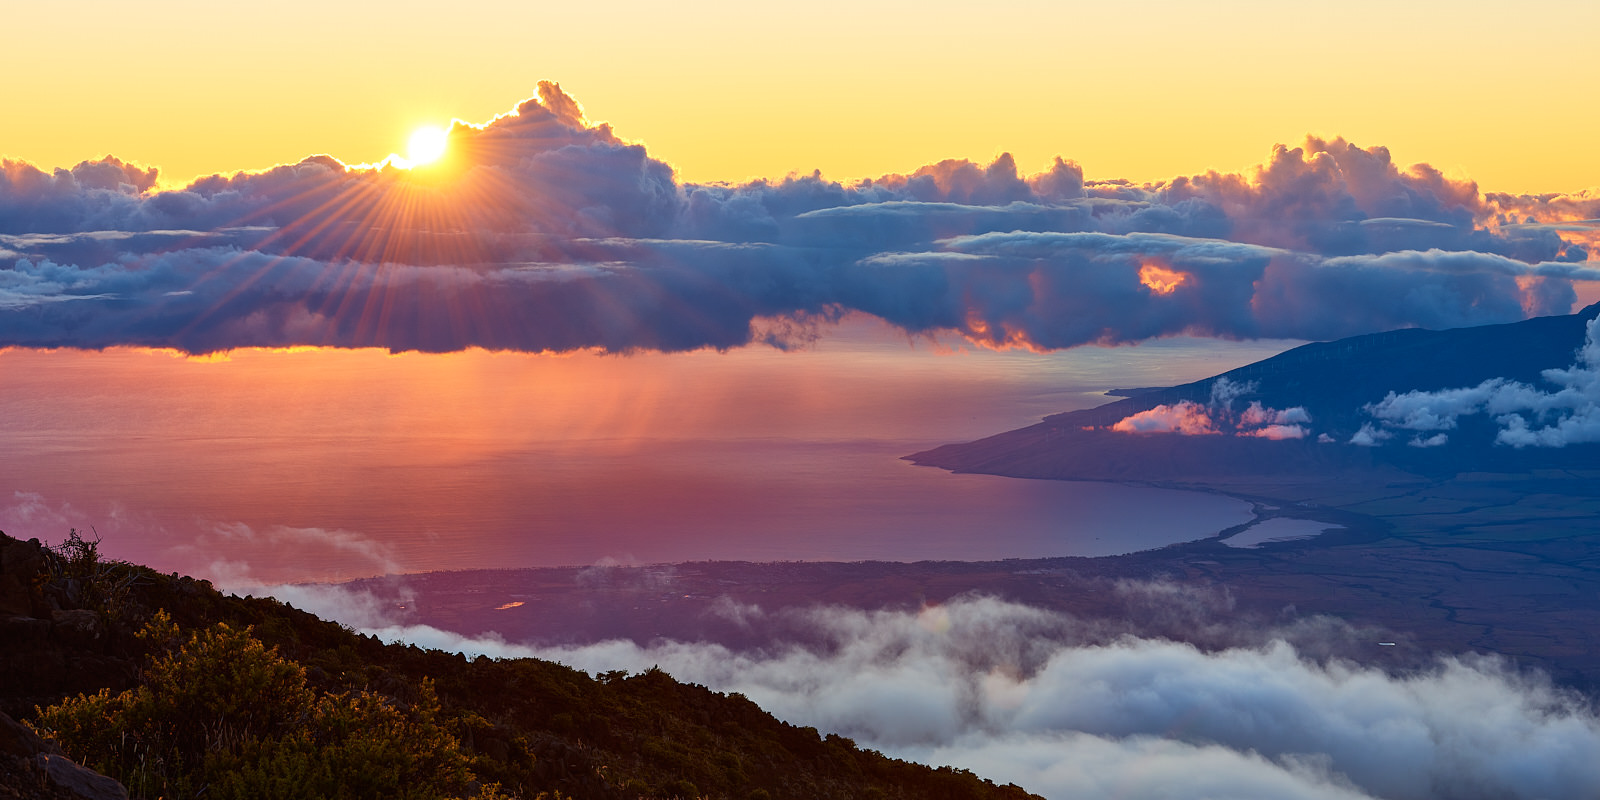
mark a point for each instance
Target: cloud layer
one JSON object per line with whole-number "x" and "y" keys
{"x": 542, "y": 231}
{"x": 1022, "y": 694}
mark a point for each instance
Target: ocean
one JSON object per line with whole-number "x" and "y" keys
{"x": 320, "y": 464}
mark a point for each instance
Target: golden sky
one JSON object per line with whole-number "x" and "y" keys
{"x": 732, "y": 90}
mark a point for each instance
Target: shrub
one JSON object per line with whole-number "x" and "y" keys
{"x": 223, "y": 716}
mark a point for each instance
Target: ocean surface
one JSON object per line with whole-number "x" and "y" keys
{"x": 326, "y": 464}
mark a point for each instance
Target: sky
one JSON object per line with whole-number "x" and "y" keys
{"x": 729, "y": 91}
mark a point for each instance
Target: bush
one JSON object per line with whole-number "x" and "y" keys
{"x": 226, "y": 717}
{"x": 88, "y": 580}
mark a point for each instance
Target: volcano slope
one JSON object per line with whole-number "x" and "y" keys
{"x": 1442, "y": 524}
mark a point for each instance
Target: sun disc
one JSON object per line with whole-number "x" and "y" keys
{"x": 426, "y": 146}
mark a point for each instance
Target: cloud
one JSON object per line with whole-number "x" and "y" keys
{"x": 1184, "y": 417}
{"x": 30, "y": 515}
{"x": 1188, "y": 418}
{"x": 121, "y": 531}
{"x": 977, "y": 686}
{"x": 256, "y": 560}
{"x": 244, "y": 560}
{"x": 1256, "y": 414}
{"x": 1225, "y": 390}
{"x": 1066, "y": 709}
{"x": 1369, "y": 436}
{"x": 1277, "y": 432}
{"x": 543, "y": 231}
{"x": 1528, "y": 416}
{"x": 1574, "y": 218}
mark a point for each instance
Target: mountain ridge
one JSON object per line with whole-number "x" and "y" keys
{"x": 70, "y": 625}
{"x": 1333, "y": 381}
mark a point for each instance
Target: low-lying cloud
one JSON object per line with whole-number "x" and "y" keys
{"x": 1527, "y": 415}
{"x": 542, "y": 231}
{"x": 1022, "y": 694}
{"x": 1184, "y": 417}
{"x": 1188, "y": 418}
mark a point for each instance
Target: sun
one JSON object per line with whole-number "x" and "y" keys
{"x": 426, "y": 146}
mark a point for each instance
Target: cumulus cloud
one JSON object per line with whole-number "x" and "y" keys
{"x": 1528, "y": 416}
{"x": 1574, "y": 218}
{"x": 1023, "y": 694}
{"x": 1225, "y": 390}
{"x": 1256, "y": 415}
{"x": 1276, "y": 432}
{"x": 543, "y": 231}
{"x": 1369, "y": 436}
{"x": 1184, "y": 417}
{"x": 1188, "y": 418}
{"x": 1274, "y": 423}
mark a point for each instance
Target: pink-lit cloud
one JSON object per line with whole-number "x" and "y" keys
{"x": 542, "y": 231}
{"x": 1184, "y": 417}
{"x": 1256, "y": 415}
{"x": 1276, "y": 432}
{"x": 1188, "y": 418}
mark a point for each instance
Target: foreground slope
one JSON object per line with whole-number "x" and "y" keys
{"x": 68, "y": 625}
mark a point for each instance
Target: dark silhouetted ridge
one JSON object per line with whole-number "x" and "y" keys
{"x": 69, "y": 624}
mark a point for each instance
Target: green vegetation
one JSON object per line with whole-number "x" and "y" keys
{"x": 89, "y": 580}
{"x": 181, "y": 692}
{"x": 223, "y": 716}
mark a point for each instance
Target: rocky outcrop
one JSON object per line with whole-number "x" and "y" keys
{"x": 81, "y": 781}
{"x": 53, "y": 641}
{"x": 34, "y": 769}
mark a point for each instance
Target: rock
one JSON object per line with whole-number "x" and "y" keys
{"x": 22, "y": 559}
{"x": 79, "y": 627}
{"x": 82, "y": 781}
{"x": 15, "y": 599}
{"x": 17, "y": 632}
{"x": 18, "y": 739}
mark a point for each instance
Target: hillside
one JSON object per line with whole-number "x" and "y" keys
{"x": 1442, "y": 530}
{"x": 70, "y": 623}
{"x": 1335, "y": 384}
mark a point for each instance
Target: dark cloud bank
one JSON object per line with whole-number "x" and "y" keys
{"x": 544, "y": 232}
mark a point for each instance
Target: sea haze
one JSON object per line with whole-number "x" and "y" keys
{"x": 326, "y": 464}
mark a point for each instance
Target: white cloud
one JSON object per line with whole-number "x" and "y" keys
{"x": 1188, "y": 418}
{"x": 1030, "y": 696}
{"x": 1370, "y": 436}
{"x": 1257, "y": 415}
{"x": 1527, "y": 416}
